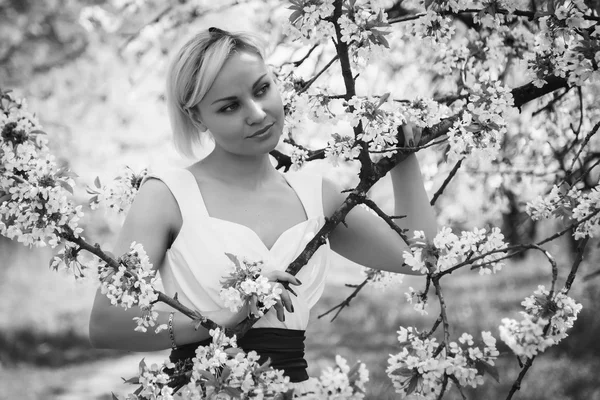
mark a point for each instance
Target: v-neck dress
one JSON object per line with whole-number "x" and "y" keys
{"x": 196, "y": 263}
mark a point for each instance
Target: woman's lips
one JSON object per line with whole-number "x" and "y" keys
{"x": 262, "y": 131}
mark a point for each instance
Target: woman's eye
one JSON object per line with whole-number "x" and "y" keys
{"x": 263, "y": 89}
{"x": 229, "y": 108}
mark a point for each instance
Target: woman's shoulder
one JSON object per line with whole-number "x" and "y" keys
{"x": 156, "y": 198}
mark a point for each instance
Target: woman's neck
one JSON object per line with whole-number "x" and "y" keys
{"x": 250, "y": 172}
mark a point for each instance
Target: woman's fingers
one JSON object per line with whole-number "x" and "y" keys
{"x": 409, "y": 137}
{"x": 287, "y": 301}
{"x": 412, "y": 134}
{"x": 282, "y": 276}
{"x": 280, "y": 311}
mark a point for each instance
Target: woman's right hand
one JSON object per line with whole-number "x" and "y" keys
{"x": 277, "y": 277}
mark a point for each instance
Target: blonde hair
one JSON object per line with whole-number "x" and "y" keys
{"x": 192, "y": 72}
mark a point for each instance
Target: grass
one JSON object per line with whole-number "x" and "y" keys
{"x": 45, "y": 354}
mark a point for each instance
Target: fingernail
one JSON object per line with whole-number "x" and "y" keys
{"x": 299, "y": 282}
{"x": 411, "y": 143}
{"x": 292, "y": 308}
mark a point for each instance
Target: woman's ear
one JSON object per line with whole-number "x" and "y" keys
{"x": 194, "y": 114}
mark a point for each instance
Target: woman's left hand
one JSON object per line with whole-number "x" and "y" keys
{"x": 412, "y": 134}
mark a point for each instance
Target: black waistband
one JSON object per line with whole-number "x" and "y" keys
{"x": 285, "y": 348}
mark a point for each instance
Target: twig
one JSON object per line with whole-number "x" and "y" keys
{"x": 346, "y": 302}
{"x": 314, "y": 78}
{"x": 580, "y": 250}
{"x": 300, "y": 61}
{"x": 446, "y": 181}
{"x": 517, "y": 385}
{"x": 556, "y": 98}
{"x": 438, "y": 291}
{"x": 443, "y": 389}
{"x": 552, "y": 264}
{"x": 585, "y": 142}
{"x": 458, "y": 386}
{"x": 436, "y": 324}
{"x": 371, "y": 204}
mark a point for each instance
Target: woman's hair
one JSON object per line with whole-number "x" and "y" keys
{"x": 191, "y": 74}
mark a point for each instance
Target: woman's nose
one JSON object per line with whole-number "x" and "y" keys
{"x": 256, "y": 113}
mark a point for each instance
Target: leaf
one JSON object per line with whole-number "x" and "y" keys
{"x": 66, "y": 186}
{"x": 236, "y": 393}
{"x": 225, "y": 374}
{"x": 404, "y": 371}
{"x": 142, "y": 365}
{"x": 295, "y": 15}
{"x": 135, "y": 380}
{"x": 4, "y": 198}
{"x": 412, "y": 385}
{"x": 210, "y": 378}
{"x": 233, "y": 351}
{"x": 97, "y": 183}
{"x": 491, "y": 370}
{"x": 233, "y": 259}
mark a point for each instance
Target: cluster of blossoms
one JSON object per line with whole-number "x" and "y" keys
{"x": 132, "y": 284}
{"x": 246, "y": 286}
{"x": 298, "y": 157}
{"x": 480, "y": 129}
{"x": 220, "y": 370}
{"x": 380, "y": 122}
{"x": 448, "y": 250}
{"x": 341, "y": 148}
{"x": 314, "y": 104}
{"x": 574, "y": 203}
{"x": 421, "y": 365}
{"x": 423, "y": 112}
{"x": 564, "y": 47}
{"x": 117, "y": 195}
{"x": 153, "y": 382}
{"x": 418, "y": 299}
{"x": 363, "y": 28}
{"x": 308, "y": 21}
{"x": 69, "y": 258}
{"x": 433, "y": 30}
{"x": 342, "y": 382}
{"x": 545, "y": 322}
{"x": 383, "y": 279}
{"x": 34, "y": 191}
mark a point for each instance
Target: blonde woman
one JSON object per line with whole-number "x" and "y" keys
{"x": 235, "y": 201}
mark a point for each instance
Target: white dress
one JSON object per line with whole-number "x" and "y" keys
{"x": 196, "y": 261}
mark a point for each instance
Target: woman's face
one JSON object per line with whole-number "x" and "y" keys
{"x": 243, "y": 108}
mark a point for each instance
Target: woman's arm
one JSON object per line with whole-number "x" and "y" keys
{"x": 368, "y": 240}
{"x": 152, "y": 220}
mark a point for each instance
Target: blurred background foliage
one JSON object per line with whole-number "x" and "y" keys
{"x": 101, "y": 100}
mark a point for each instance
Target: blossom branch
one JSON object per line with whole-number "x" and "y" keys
{"x": 114, "y": 264}
{"x": 346, "y": 302}
{"x": 451, "y": 175}
{"x": 518, "y": 248}
{"x": 519, "y": 13}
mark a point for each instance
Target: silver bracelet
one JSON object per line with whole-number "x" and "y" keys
{"x": 171, "y": 335}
